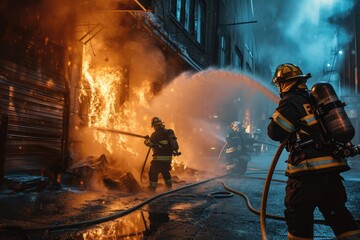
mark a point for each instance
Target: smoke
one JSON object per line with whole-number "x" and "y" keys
{"x": 133, "y": 62}
{"x": 199, "y": 107}
{"x": 305, "y": 32}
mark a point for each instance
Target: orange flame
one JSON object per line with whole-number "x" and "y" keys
{"x": 100, "y": 91}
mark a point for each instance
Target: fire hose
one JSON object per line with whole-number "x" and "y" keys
{"x": 262, "y": 211}
{"x": 143, "y": 167}
{"x": 134, "y": 135}
{"x": 266, "y": 188}
{"x": 350, "y": 151}
{"x": 224, "y": 146}
{"x": 132, "y": 209}
{"x": 121, "y": 132}
{"x": 110, "y": 217}
{"x": 122, "y": 213}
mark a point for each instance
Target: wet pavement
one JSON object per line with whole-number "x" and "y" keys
{"x": 203, "y": 209}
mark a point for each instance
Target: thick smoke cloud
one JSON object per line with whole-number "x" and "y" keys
{"x": 302, "y": 32}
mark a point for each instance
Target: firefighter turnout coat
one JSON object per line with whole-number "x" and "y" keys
{"x": 294, "y": 116}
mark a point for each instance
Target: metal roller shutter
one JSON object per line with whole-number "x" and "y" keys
{"x": 32, "y": 92}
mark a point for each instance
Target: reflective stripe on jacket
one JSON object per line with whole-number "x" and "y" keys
{"x": 314, "y": 164}
{"x": 161, "y": 147}
{"x": 294, "y": 116}
{"x": 162, "y": 158}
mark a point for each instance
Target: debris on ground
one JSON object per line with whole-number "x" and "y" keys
{"x": 25, "y": 182}
{"x": 126, "y": 182}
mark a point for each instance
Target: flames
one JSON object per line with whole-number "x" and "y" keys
{"x": 100, "y": 93}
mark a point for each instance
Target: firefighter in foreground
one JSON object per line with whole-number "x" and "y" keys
{"x": 164, "y": 145}
{"x": 315, "y": 162}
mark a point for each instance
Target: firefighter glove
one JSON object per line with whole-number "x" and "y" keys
{"x": 176, "y": 153}
{"x": 148, "y": 143}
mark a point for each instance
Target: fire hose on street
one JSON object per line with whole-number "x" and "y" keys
{"x": 222, "y": 194}
{"x": 354, "y": 150}
{"x": 351, "y": 151}
{"x": 225, "y": 145}
{"x": 136, "y": 207}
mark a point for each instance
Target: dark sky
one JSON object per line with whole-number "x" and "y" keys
{"x": 299, "y": 31}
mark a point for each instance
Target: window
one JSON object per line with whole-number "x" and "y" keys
{"x": 199, "y": 21}
{"x": 191, "y": 15}
{"x": 248, "y": 68}
{"x": 222, "y": 60}
{"x": 176, "y": 9}
{"x": 224, "y": 50}
{"x": 187, "y": 15}
{"x": 238, "y": 58}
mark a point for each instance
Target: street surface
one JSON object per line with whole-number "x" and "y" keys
{"x": 203, "y": 211}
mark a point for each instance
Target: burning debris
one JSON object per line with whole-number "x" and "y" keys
{"x": 96, "y": 169}
{"x": 126, "y": 182}
{"x": 90, "y": 166}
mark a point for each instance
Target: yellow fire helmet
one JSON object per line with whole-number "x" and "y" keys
{"x": 287, "y": 75}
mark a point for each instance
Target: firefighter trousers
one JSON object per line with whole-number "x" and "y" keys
{"x": 323, "y": 190}
{"x": 162, "y": 167}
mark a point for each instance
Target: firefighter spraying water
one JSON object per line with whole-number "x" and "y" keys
{"x": 238, "y": 148}
{"x": 164, "y": 145}
{"x": 317, "y": 133}
{"x": 238, "y": 145}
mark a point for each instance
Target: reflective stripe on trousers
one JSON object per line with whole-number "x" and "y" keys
{"x": 318, "y": 163}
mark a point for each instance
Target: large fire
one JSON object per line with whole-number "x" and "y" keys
{"x": 100, "y": 92}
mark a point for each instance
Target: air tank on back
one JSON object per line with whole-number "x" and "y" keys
{"x": 332, "y": 113}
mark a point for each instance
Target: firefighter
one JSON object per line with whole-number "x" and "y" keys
{"x": 238, "y": 140}
{"x": 257, "y": 137}
{"x": 313, "y": 172}
{"x": 164, "y": 145}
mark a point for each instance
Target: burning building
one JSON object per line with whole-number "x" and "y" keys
{"x": 70, "y": 68}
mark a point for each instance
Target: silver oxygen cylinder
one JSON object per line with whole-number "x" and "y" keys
{"x": 331, "y": 113}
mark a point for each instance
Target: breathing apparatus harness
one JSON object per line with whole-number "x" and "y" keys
{"x": 336, "y": 127}
{"x": 336, "y": 131}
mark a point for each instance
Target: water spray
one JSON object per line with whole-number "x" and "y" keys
{"x": 269, "y": 144}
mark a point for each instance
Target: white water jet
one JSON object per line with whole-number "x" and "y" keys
{"x": 199, "y": 106}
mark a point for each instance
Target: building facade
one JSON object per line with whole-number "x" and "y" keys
{"x": 42, "y": 63}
